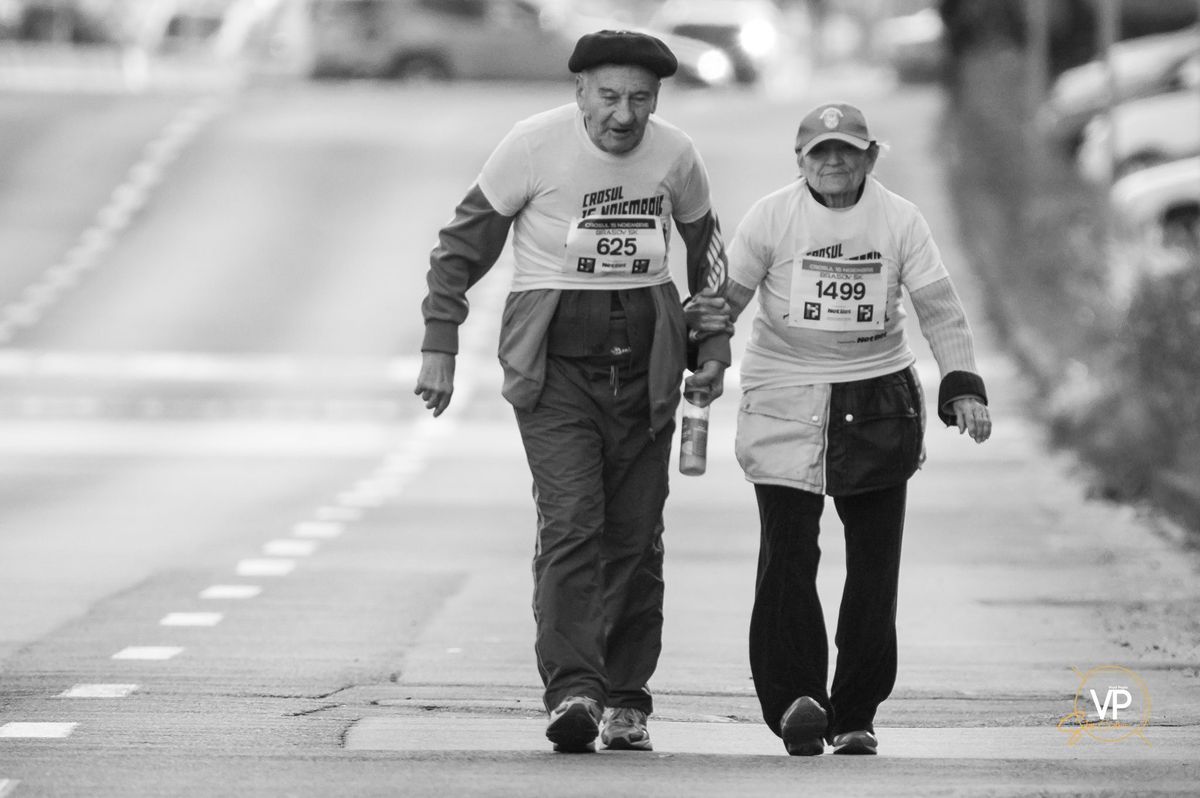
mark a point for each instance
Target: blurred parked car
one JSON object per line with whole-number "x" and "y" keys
{"x": 748, "y": 31}
{"x": 701, "y": 64}
{"x": 59, "y": 21}
{"x": 1141, "y": 133}
{"x": 913, "y": 44}
{"x": 190, "y": 26}
{"x": 1140, "y": 68}
{"x": 463, "y": 39}
{"x": 1162, "y": 201}
{"x": 435, "y": 39}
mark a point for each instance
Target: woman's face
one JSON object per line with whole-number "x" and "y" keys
{"x": 836, "y": 170}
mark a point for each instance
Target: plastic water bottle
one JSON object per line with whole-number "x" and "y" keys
{"x": 693, "y": 435}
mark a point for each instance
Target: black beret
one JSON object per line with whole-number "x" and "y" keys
{"x": 623, "y": 47}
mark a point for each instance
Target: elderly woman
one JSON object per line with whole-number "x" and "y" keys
{"x": 832, "y": 406}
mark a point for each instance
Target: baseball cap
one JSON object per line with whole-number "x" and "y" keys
{"x": 840, "y": 121}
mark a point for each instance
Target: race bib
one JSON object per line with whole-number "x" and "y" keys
{"x": 838, "y": 295}
{"x": 603, "y": 246}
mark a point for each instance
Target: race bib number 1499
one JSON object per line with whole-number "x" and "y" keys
{"x": 838, "y": 295}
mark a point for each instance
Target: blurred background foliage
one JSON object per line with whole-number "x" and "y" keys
{"x": 1105, "y": 320}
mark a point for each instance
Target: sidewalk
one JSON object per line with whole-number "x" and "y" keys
{"x": 1015, "y": 589}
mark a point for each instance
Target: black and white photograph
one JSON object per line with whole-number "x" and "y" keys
{"x": 599, "y": 398}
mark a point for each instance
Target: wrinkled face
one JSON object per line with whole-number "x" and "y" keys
{"x": 836, "y": 170}
{"x": 616, "y": 100}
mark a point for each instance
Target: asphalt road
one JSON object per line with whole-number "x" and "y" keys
{"x": 236, "y": 559}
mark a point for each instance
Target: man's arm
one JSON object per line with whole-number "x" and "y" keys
{"x": 467, "y": 248}
{"x": 709, "y": 329}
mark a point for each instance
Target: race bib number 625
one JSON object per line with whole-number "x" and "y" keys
{"x": 615, "y": 245}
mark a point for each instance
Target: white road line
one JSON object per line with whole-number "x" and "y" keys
{"x": 37, "y": 730}
{"x": 331, "y": 513}
{"x": 262, "y": 567}
{"x": 7, "y": 786}
{"x": 153, "y": 653}
{"x": 289, "y": 548}
{"x": 200, "y": 367}
{"x": 359, "y": 499}
{"x": 318, "y": 529}
{"x": 98, "y": 691}
{"x": 230, "y": 592}
{"x": 149, "y": 437}
{"x": 125, "y": 201}
{"x": 191, "y": 619}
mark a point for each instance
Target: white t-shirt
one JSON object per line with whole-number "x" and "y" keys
{"x": 588, "y": 219}
{"x": 829, "y": 280}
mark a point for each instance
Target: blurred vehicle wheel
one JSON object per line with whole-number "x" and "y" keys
{"x": 1136, "y": 163}
{"x": 420, "y": 69}
{"x": 1181, "y": 227}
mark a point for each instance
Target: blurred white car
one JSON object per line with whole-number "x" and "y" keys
{"x": 914, "y": 44}
{"x": 700, "y": 63}
{"x": 467, "y": 40}
{"x": 1163, "y": 202}
{"x": 749, "y": 32}
{"x": 1141, "y": 67}
{"x": 1141, "y": 133}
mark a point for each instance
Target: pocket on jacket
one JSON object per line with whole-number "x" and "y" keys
{"x": 781, "y": 436}
{"x": 874, "y": 434}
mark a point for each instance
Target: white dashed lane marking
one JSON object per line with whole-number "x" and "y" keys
{"x": 318, "y": 529}
{"x": 204, "y": 367}
{"x": 126, "y": 200}
{"x": 265, "y": 567}
{"x": 289, "y": 548}
{"x": 36, "y": 730}
{"x": 148, "y": 652}
{"x": 230, "y": 592}
{"x": 191, "y": 619}
{"x": 331, "y": 513}
{"x": 98, "y": 691}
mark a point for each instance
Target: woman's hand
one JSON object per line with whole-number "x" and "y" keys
{"x": 707, "y": 313}
{"x": 973, "y": 418}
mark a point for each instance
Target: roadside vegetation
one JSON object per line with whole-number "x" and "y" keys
{"x": 1106, "y": 326}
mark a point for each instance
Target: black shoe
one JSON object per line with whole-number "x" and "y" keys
{"x": 574, "y": 724}
{"x": 856, "y": 742}
{"x": 803, "y": 728}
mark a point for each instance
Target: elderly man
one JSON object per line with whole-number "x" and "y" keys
{"x": 594, "y": 343}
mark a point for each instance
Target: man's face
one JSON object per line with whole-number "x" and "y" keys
{"x": 617, "y": 100}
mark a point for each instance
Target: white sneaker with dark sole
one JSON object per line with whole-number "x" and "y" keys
{"x": 624, "y": 729}
{"x": 574, "y": 725}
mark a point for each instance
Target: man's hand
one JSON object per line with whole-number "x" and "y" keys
{"x": 707, "y": 313}
{"x": 708, "y": 380}
{"x": 435, "y": 383}
{"x": 973, "y": 418}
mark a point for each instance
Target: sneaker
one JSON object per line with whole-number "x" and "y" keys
{"x": 624, "y": 729}
{"x": 855, "y": 742}
{"x": 803, "y": 728}
{"x": 574, "y": 724}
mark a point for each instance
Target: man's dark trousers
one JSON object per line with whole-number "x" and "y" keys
{"x": 599, "y": 484}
